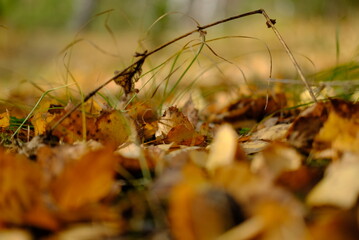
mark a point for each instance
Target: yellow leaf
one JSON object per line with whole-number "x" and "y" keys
{"x": 42, "y": 117}
{"x": 85, "y": 181}
{"x": 4, "y": 120}
{"x": 339, "y": 132}
{"x": 113, "y": 127}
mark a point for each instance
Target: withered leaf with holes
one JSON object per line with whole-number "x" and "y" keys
{"x": 128, "y": 77}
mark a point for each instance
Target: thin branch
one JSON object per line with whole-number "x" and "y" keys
{"x": 270, "y": 23}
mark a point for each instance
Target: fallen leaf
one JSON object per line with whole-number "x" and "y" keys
{"x": 85, "y": 181}
{"x": 89, "y": 231}
{"x": 300, "y": 180}
{"x": 272, "y": 133}
{"x": 276, "y": 159}
{"x": 192, "y": 200}
{"x": 255, "y": 146}
{"x": 223, "y": 148}
{"x": 42, "y": 217}
{"x": 181, "y": 135}
{"x": 333, "y": 224}
{"x": 43, "y": 116}
{"x": 15, "y": 234}
{"x": 4, "y": 120}
{"x": 339, "y": 186}
{"x": 253, "y": 108}
{"x": 20, "y": 187}
{"x": 340, "y": 131}
{"x": 191, "y": 112}
{"x": 110, "y": 127}
{"x": 113, "y": 127}
{"x": 306, "y": 126}
{"x": 172, "y": 117}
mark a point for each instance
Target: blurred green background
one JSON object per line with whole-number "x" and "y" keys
{"x": 103, "y": 36}
{"x": 61, "y": 15}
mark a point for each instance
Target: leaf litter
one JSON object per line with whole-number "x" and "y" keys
{"x": 203, "y": 184}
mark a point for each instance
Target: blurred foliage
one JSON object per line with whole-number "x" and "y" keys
{"x": 28, "y": 14}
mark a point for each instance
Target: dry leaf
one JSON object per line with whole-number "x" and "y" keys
{"x": 306, "y": 126}
{"x": 171, "y": 118}
{"x": 20, "y": 187}
{"x": 4, "y": 120}
{"x": 85, "y": 181}
{"x": 272, "y": 133}
{"x": 252, "y": 108}
{"x": 15, "y": 234}
{"x": 300, "y": 180}
{"x": 254, "y": 146}
{"x": 113, "y": 127}
{"x": 110, "y": 127}
{"x": 44, "y": 115}
{"x": 275, "y": 159}
{"x": 89, "y": 232}
{"x": 340, "y": 186}
{"x": 145, "y": 118}
{"x": 198, "y": 211}
{"x": 273, "y": 213}
{"x": 191, "y": 112}
{"x": 333, "y": 224}
{"x": 340, "y": 133}
{"x": 223, "y": 149}
{"x": 40, "y": 216}
{"x": 181, "y": 135}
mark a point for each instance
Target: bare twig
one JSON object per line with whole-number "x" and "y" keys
{"x": 132, "y": 69}
{"x": 270, "y": 24}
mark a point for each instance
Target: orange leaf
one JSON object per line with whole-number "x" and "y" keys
{"x": 183, "y": 135}
{"x": 20, "y": 186}
{"x": 85, "y": 181}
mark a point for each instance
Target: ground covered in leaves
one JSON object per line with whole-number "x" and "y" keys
{"x": 251, "y": 169}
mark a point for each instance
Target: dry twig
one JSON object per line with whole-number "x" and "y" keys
{"x": 128, "y": 76}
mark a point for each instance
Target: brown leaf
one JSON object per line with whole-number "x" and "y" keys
{"x": 171, "y": 118}
{"x": 306, "y": 126}
{"x": 174, "y": 127}
{"x": 198, "y": 211}
{"x": 252, "y": 108}
{"x": 128, "y": 78}
{"x": 333, "y": 224}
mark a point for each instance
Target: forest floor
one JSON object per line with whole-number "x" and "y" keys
{"x": 210, "y": 150}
